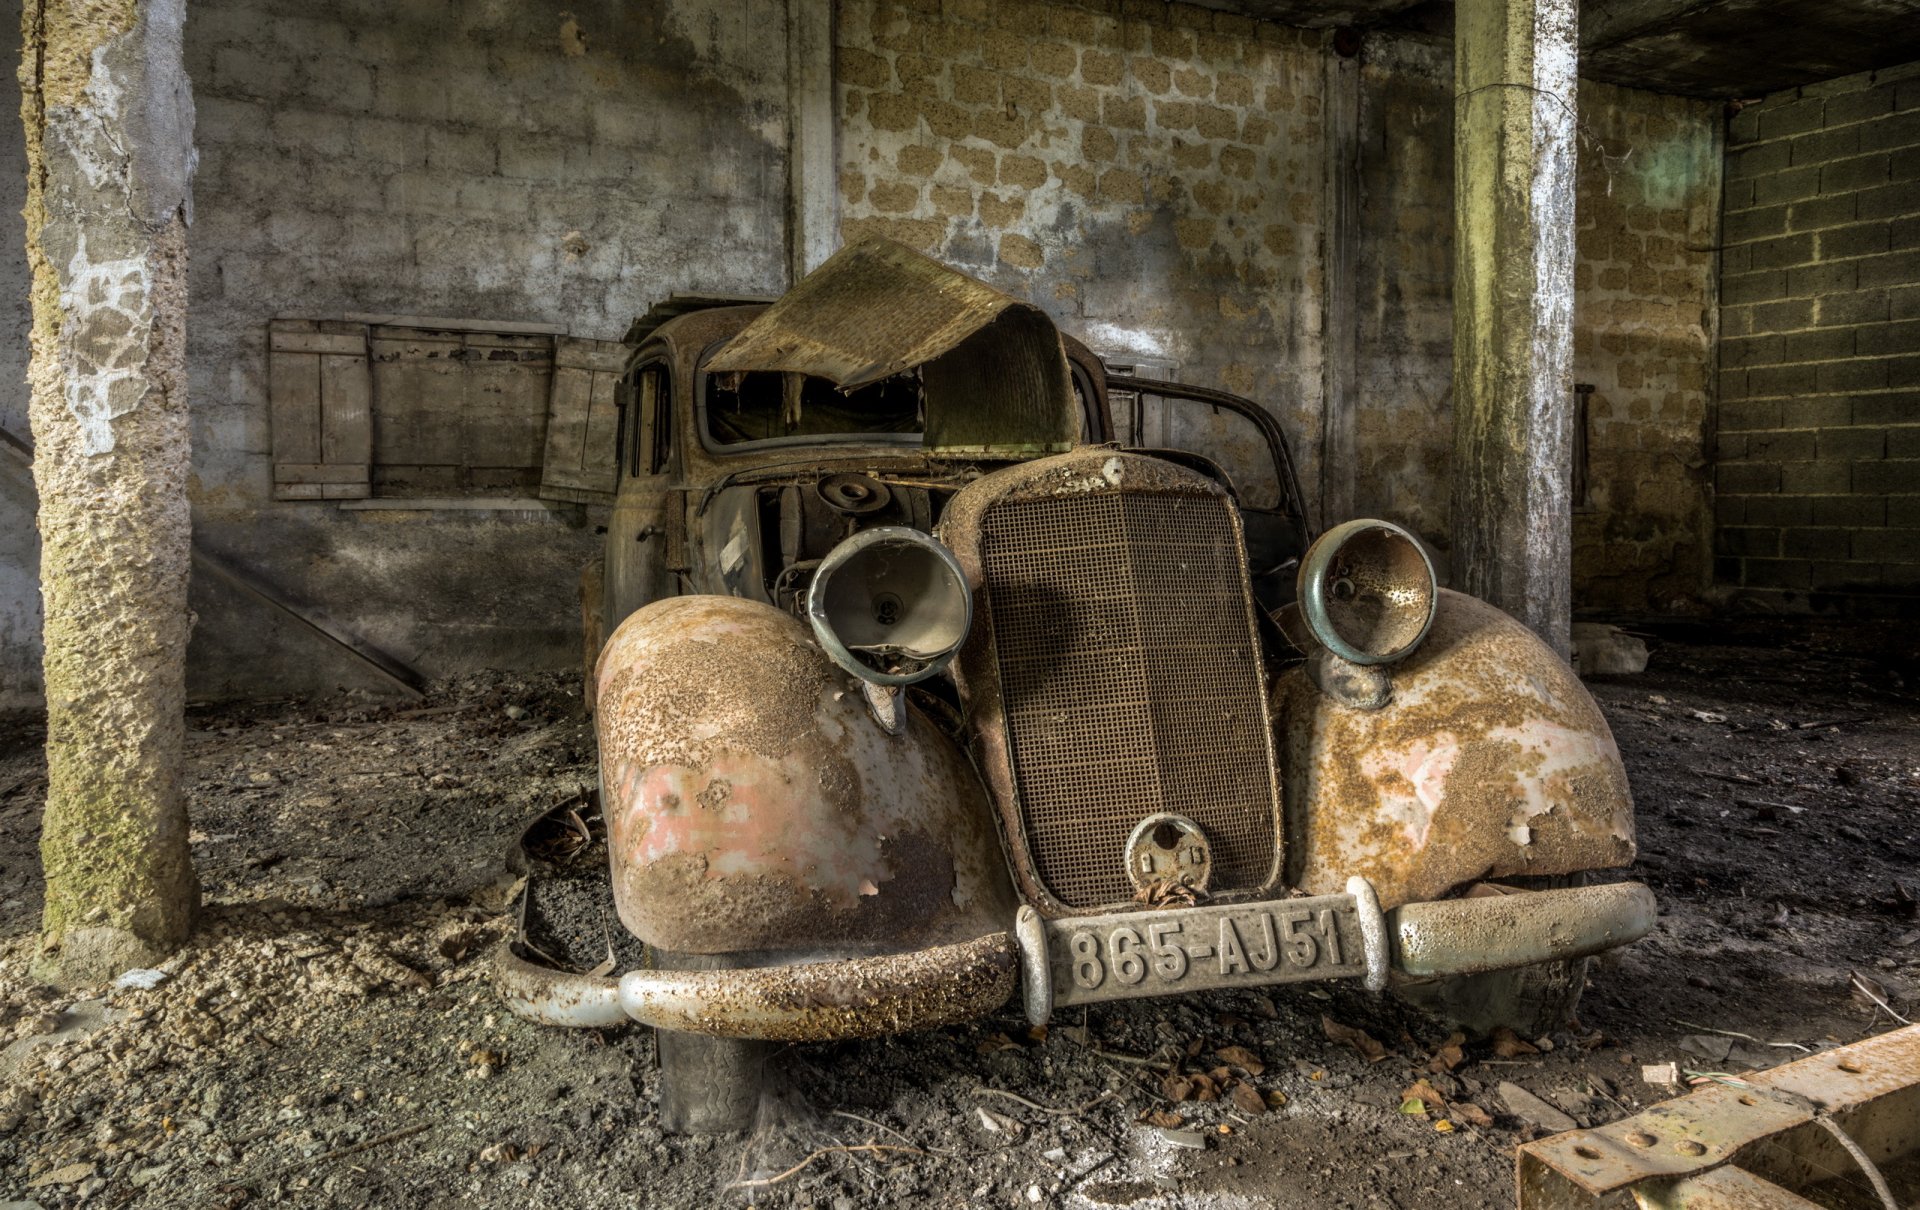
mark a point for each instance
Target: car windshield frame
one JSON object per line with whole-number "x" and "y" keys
{"x": 701, "y": 378}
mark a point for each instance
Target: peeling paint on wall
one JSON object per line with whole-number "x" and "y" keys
{"x": 107, "y": 308}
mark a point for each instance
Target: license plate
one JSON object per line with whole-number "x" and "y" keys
{"x": 1157, "y": 953}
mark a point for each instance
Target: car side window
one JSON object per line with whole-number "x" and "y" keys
{"x": 649, "y": 435}
{"x": 660, "y": 445}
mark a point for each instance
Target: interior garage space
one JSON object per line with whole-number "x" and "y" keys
{"x": 1075, "y": 603}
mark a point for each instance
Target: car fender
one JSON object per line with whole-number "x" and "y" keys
{"x": 1489, "y": 760}
{"x": 754, "y": 804}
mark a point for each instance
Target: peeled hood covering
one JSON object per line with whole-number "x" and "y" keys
{"x": 995, "y": 377}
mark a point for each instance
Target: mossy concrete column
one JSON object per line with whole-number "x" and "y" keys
{"x": 109, "y": 126}
{"x": 1514, "y": 84}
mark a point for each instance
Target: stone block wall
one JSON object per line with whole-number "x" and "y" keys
{"x": 1643, "y": 339}
{"x": 1646, "y": 210}
{"x": 1151, "y": 174}
{"x": 1818, "y": 453}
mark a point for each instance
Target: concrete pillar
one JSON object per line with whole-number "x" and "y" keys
{"x": 813, "y": 167}
{"x": 109, "y": 124}
{"x": 1514, "y": 84}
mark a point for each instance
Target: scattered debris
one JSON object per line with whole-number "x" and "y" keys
{"x": 72, "y": 1174}
{"x": 269, "y": 1014}
{"x": 1875, "y": 993}
{"x": 1534, "y": 1111}
{"x": 1603, "y": 650}
{"x": 1190, "y": 1139}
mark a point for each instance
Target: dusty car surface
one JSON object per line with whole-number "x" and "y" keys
{"x": 919, "y": 693}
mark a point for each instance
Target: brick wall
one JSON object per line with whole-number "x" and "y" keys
{"x": 1818, "y": 455}
{"x": 1152, "y": 174}
{"x": 1648, "y": 192}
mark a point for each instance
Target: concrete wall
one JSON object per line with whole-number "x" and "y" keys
{"x": 1648, "y": 193}
{"x": 482, "y": 160}
{"x": 1818, "y": 458}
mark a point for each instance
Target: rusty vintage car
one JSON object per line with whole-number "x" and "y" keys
{"x": 920, "y": 693}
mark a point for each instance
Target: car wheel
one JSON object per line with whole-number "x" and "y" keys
{"x": 1529, "y": 1000}
{"x": 707, "y": 1085}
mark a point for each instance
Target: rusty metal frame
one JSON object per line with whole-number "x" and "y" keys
{"x": 1747, "y": 1142}
{"x": 1293, "y": 499}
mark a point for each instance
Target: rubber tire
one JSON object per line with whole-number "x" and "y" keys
{"x": 707, "y": 1085}
{"x": 1529, "y": 1000}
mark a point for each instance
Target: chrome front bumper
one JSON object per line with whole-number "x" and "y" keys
{"x": 1092, "y": 958}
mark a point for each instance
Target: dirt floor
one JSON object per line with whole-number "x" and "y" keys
{"x": 330, "y": 1038}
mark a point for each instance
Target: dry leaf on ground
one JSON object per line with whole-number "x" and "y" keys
{"x": 1451, "y": 1054}
{"x": 1363, "y": 1043}
{"x": 1509, "y": 1045}
{"x": 1471, "y": 1114}
{"x": 1241, "y": 1057}
{"x": 1247, "y": 1099}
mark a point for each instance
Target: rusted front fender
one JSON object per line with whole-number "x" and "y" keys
{"x": 1490, "y": 760}
{"x": 754, "y": 805}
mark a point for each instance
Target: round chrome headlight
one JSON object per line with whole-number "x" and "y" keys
{"x": 1367, "y": 591}
{"x": 890, "y": 605}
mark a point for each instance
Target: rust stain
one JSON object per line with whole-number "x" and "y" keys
{"x": 821, "y": 1001}
{"x": 754, "y": 805}
{"x": 1491, "y": 760}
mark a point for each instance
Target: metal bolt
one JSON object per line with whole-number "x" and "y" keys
{"x": 1641, "y": 1138}
{"x": 1689, "y": 1147}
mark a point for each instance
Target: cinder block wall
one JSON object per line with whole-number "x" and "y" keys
{"x": 1818, "y": 453}
{"x": 1643, "y": 339}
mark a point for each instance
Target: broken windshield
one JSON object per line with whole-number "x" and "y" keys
{"x": 761, "y": 408}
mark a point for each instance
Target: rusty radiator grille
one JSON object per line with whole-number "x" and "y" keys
{"x": 1131, "y": 681}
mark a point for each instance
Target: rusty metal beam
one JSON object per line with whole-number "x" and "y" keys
{"x": 1756, "y": 1141}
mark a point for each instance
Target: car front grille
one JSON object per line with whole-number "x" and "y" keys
{"x": 1131, "y": 682}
